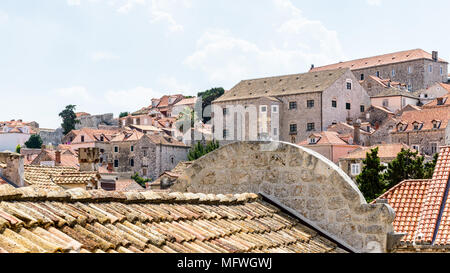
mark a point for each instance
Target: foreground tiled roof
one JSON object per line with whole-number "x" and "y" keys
{"x": 407, "y": 200}
{"x": 283, "y": 85}
{"x": 47, "y": 176}
{"x": 99, "y": 221}
{"x": 391, "y": 58}
{"x": 423, "y": 207}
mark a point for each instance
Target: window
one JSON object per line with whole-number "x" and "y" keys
{"x": 356, "y": 169}
{"x": 144, "y": 172}
{"x": 416, "y": 147}
{"x": 409, "y": 69}
{"x": 386, "y": 103}
{"x": 116, "y": 149}
{"x": 102, "y": 138}
{"x": 292, "y": 105}
{"x": 274, "y": 109}
{"x": 393, "y": 72}
{"x": 362, "y": 77}
{"x": 263, "y": 109}
{"x": 225, "y": 111}
{"x": 310, "y": 127}
{"x": 275, "y": 131}
{"x": 293, "y": 128}
{"x": 225, "y": 134}
{"x": 116, "y": 163}
{"x": 377, "y": 74}
{"x": 132, "y": 148}
{"x": 434, "y": 148}
{"x": 362, "y": 108}
{"x": 310, "y": 103}
{"x": 416, "y": 126}
{"x": 349, "y": 85}
{"x": 312, "y": 140}
{"x": 145, "y": 152}
{"x": 102, "y": 151}
{"x": 132, "y": 162}
{"x": 172, "y": 160}
{"x": 82, "y": 138}
{"x": 348, "y": 106}
{"x": 430, "y": 68}
{"x": 441, "y": 71}
{"x": 333, "y": 103}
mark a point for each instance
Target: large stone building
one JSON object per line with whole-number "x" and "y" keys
{"x": 148, "y": 155}
{"x": 288, "y": 108}
{"x": 95, "y": 121}
{"x": 415, "y": 68}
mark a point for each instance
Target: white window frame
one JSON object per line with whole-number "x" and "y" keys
{"x": 261, "y": 107}
{"x": 409, "y": 69}
{"x": 355, "y": 169}
{"x": 274, "y": 108}
{"x": 416, "y": 147}
{"x": 348, "y": 81}
{"x": 437, "y": 147}
{"x": 393, "y": 72}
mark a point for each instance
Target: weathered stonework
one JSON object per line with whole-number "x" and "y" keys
{"x": 302, "y": 180}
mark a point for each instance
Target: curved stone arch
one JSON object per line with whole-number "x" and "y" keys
{"x": 300, "y": 179}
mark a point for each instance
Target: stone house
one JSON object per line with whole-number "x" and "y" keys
{"x": 433, "y": 92}
{"x": 416, "y": 68}
{"x": 352, "y": 163}
{"x": 394, "y": 99}
{"x": 95, "y": 121}
{"x": 423, "y": 129}
{"x": 148, "y": 155}
{"x": 288, "y": 108}
{"x": 375, "y": 85}
{"x": 182, "y": 104}
{"x": 330, "y": 144}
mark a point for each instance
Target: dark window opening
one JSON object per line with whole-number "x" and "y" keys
{"x": 348, "y": 106}
{"x": 292, "y": 105}
{"x": 311, "y": 127}
{"x": 310, "y": 103}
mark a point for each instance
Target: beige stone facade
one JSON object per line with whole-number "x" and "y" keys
{"x": 302, "y": 180}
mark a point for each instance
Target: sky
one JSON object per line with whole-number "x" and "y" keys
{"x": 111, "y": 56}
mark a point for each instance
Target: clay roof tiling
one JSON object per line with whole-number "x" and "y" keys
{"x": 152, "y": 222}
{"x": 391, "y": 58}
{"x": 426, "y": 116}
{"x": 58, "y": 175}
{"x": 385, "y": 151}
{"x": 422, "y": 207}
{"x": 327, "y": 138}
{"x": 283, "y": 85}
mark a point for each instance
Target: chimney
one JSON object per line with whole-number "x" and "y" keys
{"x": 88, "y": 159}
{"x": 357, "y": 132}
{"x": 312, "y": 66}
{"x": 14, "y": 171}
{"x": 435, "y": 56}
{"x": 58, "y": 157}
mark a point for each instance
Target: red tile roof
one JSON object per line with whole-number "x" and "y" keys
{"x": 326, "y": 138}
{"x": 384, "y": 151}
{"x": 397, "y": 57}
{"x": 425, "y": 116}
{"x": 423, "y": 207}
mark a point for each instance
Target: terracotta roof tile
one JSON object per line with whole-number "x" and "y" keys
{"x": 397, "y": 57}
{"x": 384, "y": 151}
{"x": 99, "y": 221}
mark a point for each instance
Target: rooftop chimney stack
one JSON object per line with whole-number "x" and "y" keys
{"x": 312, "y": 66}
{"x": 58, "y": 157}
{"x": 14, "y": 171}
{"x": 88, "y": 159}
{"x": 435, "y": 56}
{"x": 357, "y": 132}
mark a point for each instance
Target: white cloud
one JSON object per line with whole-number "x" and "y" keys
{"x": 3, "y": 17}
{"x": 75, "y": 92}
{"x": 374, "y": 2}
{"x": 73, "y": 2}
{"x": 103, "y": 56}
{"x": 129, "y": 5}
{"x": 131, "y": 99}
{"x": 161, "y": 11}
{"x": 296, "y": 43}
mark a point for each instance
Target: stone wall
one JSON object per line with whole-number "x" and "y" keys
{"x": 424, "y": 139}
{"x": 95, "y": 121}
{"x": 53, "y": 137}
{"x": 299, "y": 178}
{"x": 14, "y": 170}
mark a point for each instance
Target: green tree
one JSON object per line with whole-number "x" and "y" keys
{"x": 18, "y": 148}
{"x": 123, "y": 114}
{"x": 430, "y": 166}
{"x": 141, "y": 181}
{"x": 199, "y": 150}
{"x": 208, "y": 97}
{"x": 407, "y": 165}
{"x": 370, "y": 181}
{"x": 69, "y": 118}
{"x": 34, "y": 142}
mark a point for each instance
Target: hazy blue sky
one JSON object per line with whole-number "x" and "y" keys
{"x": 115, "y": 55}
